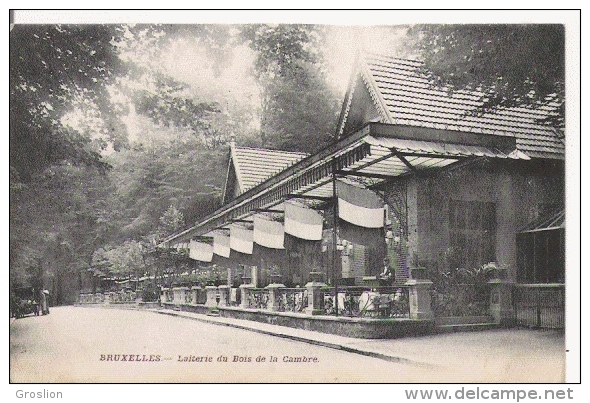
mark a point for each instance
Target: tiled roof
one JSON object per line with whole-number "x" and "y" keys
{"x": 254, "y": 165}
{"x": 401, "y": 91}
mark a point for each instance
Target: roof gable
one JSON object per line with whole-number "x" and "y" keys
{"x": 360, "y": 108}
{"x": 249, "y": 167}
{"x": 402, "y": 95}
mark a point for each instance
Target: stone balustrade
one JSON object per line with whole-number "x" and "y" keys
{"x": 411, "y": 300}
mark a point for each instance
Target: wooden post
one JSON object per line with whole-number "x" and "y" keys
{"x": 334, "y": 236}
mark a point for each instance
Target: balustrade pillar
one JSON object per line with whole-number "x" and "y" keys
{"x": 176, "y": 296}
{"x": 244, "y": 291}
{"x": 196, "y": 290}
{"x": 211, "y": 291}
{"x": 315, "y": 296}
{"x": 420, "y": 299}
{"x": 223, "y": 291}
{"x": 183, "y": 293}
{"x": 274, "y": 297}
{"x": 501, "y": 302}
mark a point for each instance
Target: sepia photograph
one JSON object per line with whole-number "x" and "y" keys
{"x": 241, "y": 197}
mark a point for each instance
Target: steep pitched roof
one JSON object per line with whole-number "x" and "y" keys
{"x": 402, "y": 95}
{"x": 255, "y": 165}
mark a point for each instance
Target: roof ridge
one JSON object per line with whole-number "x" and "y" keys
{"x": 391, "y": 57}
{"x": 270, "y": 149}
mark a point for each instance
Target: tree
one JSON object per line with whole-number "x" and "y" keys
{"x": 55, "y": 226}
{"x": 53, "y": 70}
{"x": 149, "y": 178}
{"x": 172, "y": 220}
{"x": 509, "y": 65}
{"x": 65, "y": 199}
{"x": 298, "y": 107}
{"x": 171, "y": 106}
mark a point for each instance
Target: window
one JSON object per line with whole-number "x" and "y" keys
{"x": 472, "y": 230}
{"x": 541, "y": 256}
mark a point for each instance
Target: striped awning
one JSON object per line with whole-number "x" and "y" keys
{"x": 241, "y": 239}
{"x": 203, "y": 252}
{"x": 268, "y": 233}
{"x": 303, "y": 222}
{"x": 221, "y": 244}
{"x": 360, "y": 206}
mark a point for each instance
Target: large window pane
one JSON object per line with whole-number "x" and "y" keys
{"x": 472, "y": 232}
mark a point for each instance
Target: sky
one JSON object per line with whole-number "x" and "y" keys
{"x": 234, "y": 86}
{"x": 187, "y": 62}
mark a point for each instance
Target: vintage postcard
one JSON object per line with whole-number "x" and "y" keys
{"x": 291, "y": 198}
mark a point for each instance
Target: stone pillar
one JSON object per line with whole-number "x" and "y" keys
{"x": 81, "y": 298}
{"x": 196, "y": 291}
{"x": 223, "y": 295}
{"x": 176, "y": 295}
{"x": 244, "y": 291}
{"x": 230, "y": 276}
{"x": 184, "y": 291}
{"x": 501, "y": 302}
{"x": 254, "y": 275}
{"x": 420, "y": 299}
{"x": 211, "y": 291}
{"x": 245, "y": 288}
{"x": 274, "y": 296}
{"x": 107, "y": 297}
{"x": 315, "y": 296}
{"x": 163, "y": 295}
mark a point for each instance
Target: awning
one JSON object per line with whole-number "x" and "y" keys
{"x": 221, "y": 244}
{"x": 551, "y": 220}
{"x": 268, "y": 233}
{"x": 303, "y": 222}
{"x": 203, "y": 252}
{"x": 360, "y": 206}
{"x": 376, "y": 153}
{"x": 241, "y": 239}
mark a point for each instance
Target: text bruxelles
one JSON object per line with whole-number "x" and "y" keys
{"x": 130, "y": 357}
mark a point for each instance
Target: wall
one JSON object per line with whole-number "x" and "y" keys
{"x": 517, "y": 189}
{"x": 362, "y": 109}
{"x": 343, "y": 326}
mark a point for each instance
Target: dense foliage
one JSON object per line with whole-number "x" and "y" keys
{"x": 298, "y": 108}
{"x": 510, "y": 65}
{"x": 90, "y": 194}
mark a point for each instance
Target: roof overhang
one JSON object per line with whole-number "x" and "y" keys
{"x": 552, "y": 220}
{"x": 374, "y": 154}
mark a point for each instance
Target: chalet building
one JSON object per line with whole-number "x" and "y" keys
{"x": 417, "y": 177}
